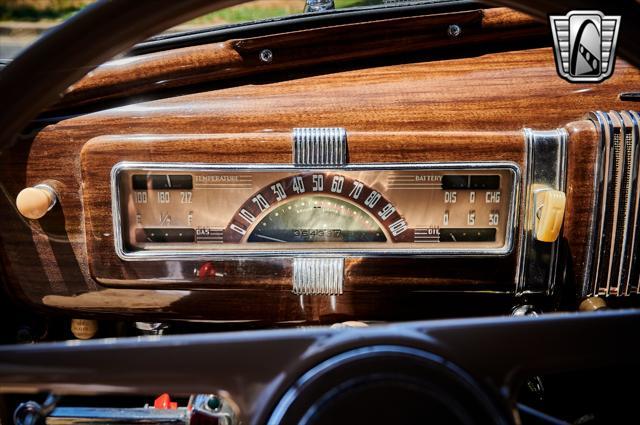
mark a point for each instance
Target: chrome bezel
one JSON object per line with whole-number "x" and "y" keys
{"x": 199, "y": 255}
{"x": 546, "y": 169}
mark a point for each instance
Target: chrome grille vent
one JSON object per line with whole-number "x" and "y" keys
{"x": 319, "y": 146}
{"x": 615, "y": 261}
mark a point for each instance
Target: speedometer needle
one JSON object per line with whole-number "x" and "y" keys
{"x": 270, "y": 238}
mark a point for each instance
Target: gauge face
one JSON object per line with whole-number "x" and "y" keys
{"x": 186, "y": 209}
{"x": 317, "y": 219}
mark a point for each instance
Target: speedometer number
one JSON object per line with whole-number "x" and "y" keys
{"x": 298, "y": 185}
{"x": 398, "y": 227}
{"x": 372, "y": 199}
{"x": 278, "y": 190}
{"x": 247, "y": 216}
{"x": 318, "y": 183}
{"x": 337, "y": 183}
{"x": 386, "y": 212}
{"x": 357, "y": 190}
{"x": 238, "y": 229}
{"x": 260, "y": 202}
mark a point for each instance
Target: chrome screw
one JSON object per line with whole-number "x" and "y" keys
{"x": 454, "y": 31}
{"x": 213, "y": 403}
{"x": 266, "y": 56}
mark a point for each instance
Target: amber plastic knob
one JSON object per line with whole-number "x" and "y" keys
{"x": 593, "y": 304}
{"x": 550, "y": 206}
{"x": 34, "y": 202}
{"x": 84, "y": 328}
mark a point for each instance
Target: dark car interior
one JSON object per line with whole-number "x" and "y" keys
{"x": 415, "y": 212}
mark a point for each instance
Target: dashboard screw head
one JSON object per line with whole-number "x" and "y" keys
{"x": 214, "y": 403}
{"x": 454, "y": 31}
{"x": 266, "y": 56}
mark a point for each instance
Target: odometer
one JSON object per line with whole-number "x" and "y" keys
{"x": 191, "y": 210}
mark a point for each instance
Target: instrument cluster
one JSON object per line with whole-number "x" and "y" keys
{"x": 177, "y": 210}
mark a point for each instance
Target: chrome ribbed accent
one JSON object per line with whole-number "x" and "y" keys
{"x": 318, "y": 276}
{"x": 319, "y": 146}
{"x": 614, "y": 267}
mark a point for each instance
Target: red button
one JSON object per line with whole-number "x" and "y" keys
{"x": 164, "y": 402}
{"x": 206, "y": 271}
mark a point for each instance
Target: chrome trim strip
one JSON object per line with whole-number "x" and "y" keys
{"x": 319, "y": 146}
{"x": 613, "y": 267}
{"x": 616, "y": 161}
{"x": 318, "y": 276}
{"x": 631, "y": 260}
{"x": 592, "y": 263}
{"x": 607, "y": 183}
{"x": 111, "y": 415}
{"x": 627, "y": 193}
{"x": 546, "y": 169}
{"x": 200, "y": 255}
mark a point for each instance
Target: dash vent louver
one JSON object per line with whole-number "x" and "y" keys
{"x": 615, "y": 266}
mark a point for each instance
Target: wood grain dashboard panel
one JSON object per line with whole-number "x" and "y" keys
{"x": 319, "y": 46}
{"x": 435, "y": 110}
{"x": 101, "y": 154}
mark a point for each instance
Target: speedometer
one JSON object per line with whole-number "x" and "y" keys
{"x": 166, "y": 210}
{"x": 317, "y": 219}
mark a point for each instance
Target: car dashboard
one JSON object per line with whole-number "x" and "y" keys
{"x": 359, "y": 173}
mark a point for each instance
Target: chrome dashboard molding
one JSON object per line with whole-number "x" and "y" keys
{"x": 546, "y": 169}
{"x": 600, "y": 121}
{"x": 111, "y": 415}
{"x": 633, "y": 270}
{"x": 612, "y": 268}
{"x": 284, "y": 254}
{"x": 318, "y": 276}
{"x": 319, "y": 147}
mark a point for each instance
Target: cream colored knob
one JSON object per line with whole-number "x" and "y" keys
{"x": 550, "y": 205}
{"x": 34, "y": 202}
{"x": 593, "y": 304}
{"x": 84, "y": 328}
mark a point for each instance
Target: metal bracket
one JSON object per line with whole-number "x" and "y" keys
{"x": 318, "y": 276}
{"x": 319, "y": 146}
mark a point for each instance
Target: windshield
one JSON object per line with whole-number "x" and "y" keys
{"x": 23, "y": 21}
{"x": 266, "y": 9}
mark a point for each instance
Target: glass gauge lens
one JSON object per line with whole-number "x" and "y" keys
{"x": 190, "y": 209}
{"x": 317, "y": 219}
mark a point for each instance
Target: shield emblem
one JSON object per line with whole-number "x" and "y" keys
{"x": 585, "y": 45}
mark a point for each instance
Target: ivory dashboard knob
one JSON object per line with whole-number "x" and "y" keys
{"x": 593, "y": 304}
{"x": 34, "y": 202}
{"x": 84, "y": 328}
{"x": 550, "y": 206}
